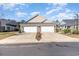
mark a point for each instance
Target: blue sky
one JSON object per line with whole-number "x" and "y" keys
{"x": 51, "y": 11}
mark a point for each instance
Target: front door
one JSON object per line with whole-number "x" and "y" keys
{"x": 38, "y": 34}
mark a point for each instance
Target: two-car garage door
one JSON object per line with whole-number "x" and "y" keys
{"x": 30, "y": 29}
{"x": 47, "y": 29}
{"x": 43, "y": 29}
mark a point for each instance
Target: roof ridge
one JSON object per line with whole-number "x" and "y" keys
{"x": 35, "y": 17}
{"x": 32, "y": 18}
{"x": 43, "y": 21}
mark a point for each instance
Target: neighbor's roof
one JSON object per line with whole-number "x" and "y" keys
{"x": 12, "y": 22}
{"x": 69, "y": 22}
{"x": 8, "y": 21}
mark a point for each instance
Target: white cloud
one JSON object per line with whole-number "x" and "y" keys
{"x": 57, "y": 8}
{"x": 34, "y": 13}
{"x": 47, "y": 8}
{"x": 17, "y": 9}
{"x": 8, "y": 5}
{"x": 11, "y": 6}
{"x": 67, "y": 14}
{"x": 50, "y": 3}
{"x": 53, "y": 10}
{"x": 59, "y": 4}
{"x": 23, "y": 4}
{"x": 21, "y": 14}
{"x": 21, "y": 7}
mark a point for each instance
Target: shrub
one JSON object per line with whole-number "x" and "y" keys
{"x": 75, "y": 32}
{"x": 67, "y": 31}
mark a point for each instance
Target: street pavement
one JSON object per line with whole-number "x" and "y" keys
{"x": 40, "y": 49}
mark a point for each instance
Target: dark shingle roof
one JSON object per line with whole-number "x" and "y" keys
{"x": 7, "y": 21}
{"x": 69, "y": 22}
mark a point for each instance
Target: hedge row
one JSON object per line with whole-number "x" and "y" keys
{"x": 70, "y": 31}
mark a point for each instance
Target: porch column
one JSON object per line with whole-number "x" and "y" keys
{"x": 39, "y": 29}
{"x": 38, "y": 34}
{"x": 20, "y": 28}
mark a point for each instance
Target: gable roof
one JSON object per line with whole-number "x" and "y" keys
{"x": 36, "y": 19}
{"x": 47, "y": 21}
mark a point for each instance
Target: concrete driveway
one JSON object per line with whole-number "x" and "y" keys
{"x": 30, "y": 38}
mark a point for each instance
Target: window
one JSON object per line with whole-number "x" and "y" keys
{"x": 65, "y": 26}
{"x": 2, "y": 28}
{"x": 68, "y": 27}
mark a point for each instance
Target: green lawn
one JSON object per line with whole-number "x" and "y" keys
{"x": 73, "y": 35}
{"x": 6, "y": 34}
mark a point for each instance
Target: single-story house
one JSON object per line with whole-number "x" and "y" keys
{"x": 36, "y": 24}
{"x": 69, "y": 23}
{"x": 8, "y": 25}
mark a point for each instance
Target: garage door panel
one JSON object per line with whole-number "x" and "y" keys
{"x": 30, "y": 29}
{"x": 43, "y": 29}
{"x": 47, "y": 29}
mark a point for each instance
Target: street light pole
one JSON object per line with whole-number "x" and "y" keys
{"x": 77, "y": 22}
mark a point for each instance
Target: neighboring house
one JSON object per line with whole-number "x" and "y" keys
{"x": 69, "y": 23}
{"x": 36, "y": 24}
{"x": 8, "y": 25}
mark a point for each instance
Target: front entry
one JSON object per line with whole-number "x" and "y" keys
{"x": 38, "y": 34}
{"x": 38, "y": 28}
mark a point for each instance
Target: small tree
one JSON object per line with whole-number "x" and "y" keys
{"x": 22, "y": 21}
{"x": 57, "y": 26}
{"x": 19, "y": 29}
